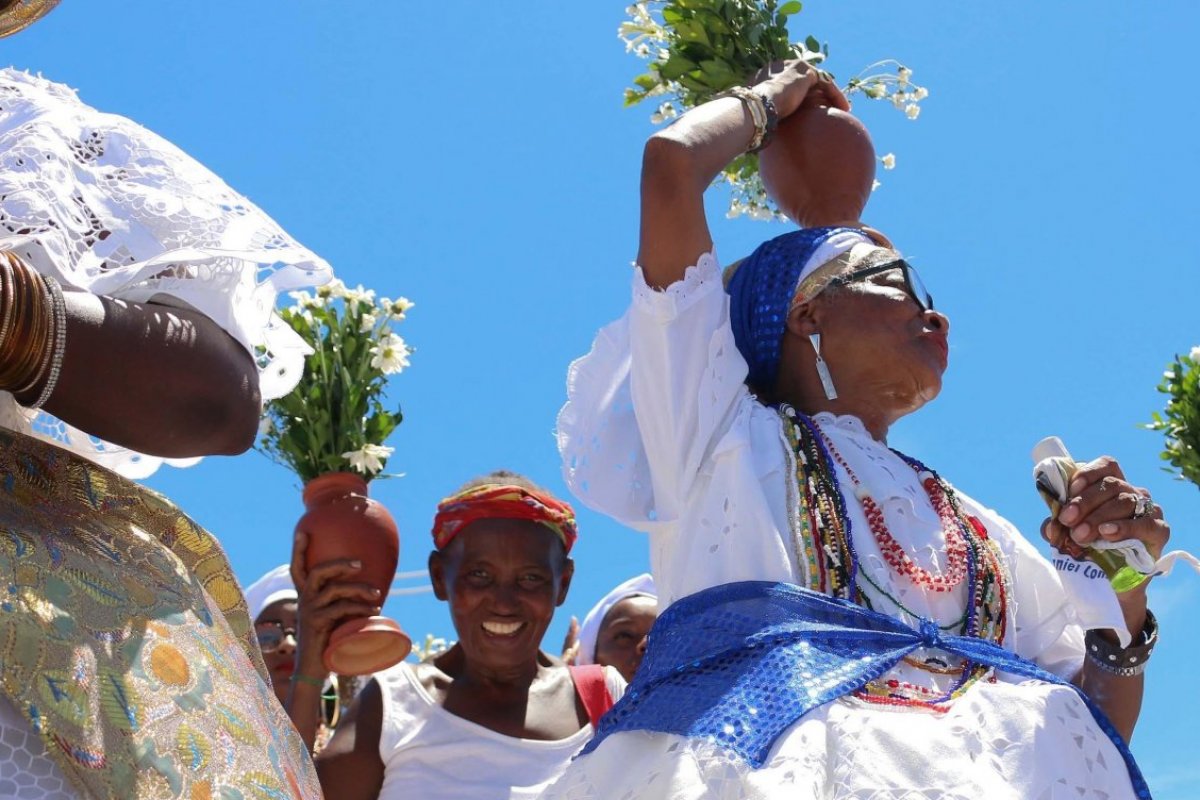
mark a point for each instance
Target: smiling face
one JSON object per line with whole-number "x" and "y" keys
{"x": 281, "y": 661}
{"x": 621, "y": 641}
{"x": 503, "y": 579}
{"x": 885, "y": 353}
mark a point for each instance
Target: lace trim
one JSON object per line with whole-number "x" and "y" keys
{"x": 843, "y": 422}
{"x": 108, "y": 207}
{"x": 697, "y": 280}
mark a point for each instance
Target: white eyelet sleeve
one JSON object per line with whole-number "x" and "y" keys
{"x": 652, "y": 399}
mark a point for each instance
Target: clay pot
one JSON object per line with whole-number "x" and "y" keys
{"x": 820, "y": 167}
{"x": 343, "y": 522}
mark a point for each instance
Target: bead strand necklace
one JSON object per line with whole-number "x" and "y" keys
{"x": 893, "y": 552}
{"x": 825, "y": 530}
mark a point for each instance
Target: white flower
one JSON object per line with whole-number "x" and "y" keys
{"x": 368, "y": 323}
{"x": 335, "y": 288}
{"x": 1195, "y": 354}
{"x": 265, "y": 426}
{"x": 912, "y": 111}
{"x": 921, "y": 93}
{"x": 398, "y": 308}
{"x": 875, "y": 185}
{"x": 307, "y": 316}
{"x": 359, "y": 295}
{"x": 899, "y": 99}
{"x": 665, "y": 112}
{"x": 905, "y": 73}
{"x": 390, "y": 355}
{"x": 305, "y": 300}
{"x": 875, "y": 90}
{"x": 889, "y": 161}
{"x": 369, "y": 459}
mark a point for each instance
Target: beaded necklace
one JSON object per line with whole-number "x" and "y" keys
{"x": 825, "y": 546}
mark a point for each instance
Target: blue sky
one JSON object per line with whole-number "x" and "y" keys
{"x": 477, "y": 160}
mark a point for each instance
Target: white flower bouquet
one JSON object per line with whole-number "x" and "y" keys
{"x": 1179, "y": 422}
{"x": 335, "y": 420}
{"x": 700, "y": 48}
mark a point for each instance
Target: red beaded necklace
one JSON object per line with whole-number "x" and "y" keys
{"x": 893, "y": 553}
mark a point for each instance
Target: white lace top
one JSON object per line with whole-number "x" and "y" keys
{"x": 108, "y": 207}
{"x": 661, "y": 433}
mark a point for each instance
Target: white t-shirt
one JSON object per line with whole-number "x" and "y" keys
{"x": 661, "y": 433}
{"x": 432, "y": 754}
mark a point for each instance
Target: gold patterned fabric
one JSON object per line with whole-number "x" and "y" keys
{"x": 125, "y": 641}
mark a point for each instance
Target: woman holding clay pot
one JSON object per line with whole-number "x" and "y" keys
{"x": 493, "y": 716}
{"x": 838, "y": 620}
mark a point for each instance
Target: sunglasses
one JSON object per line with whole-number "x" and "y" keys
{"x": 912, "y": 281}
{"x": 270, "y": 635}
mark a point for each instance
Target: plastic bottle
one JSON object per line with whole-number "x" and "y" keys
{"x": 1052, "y": 473}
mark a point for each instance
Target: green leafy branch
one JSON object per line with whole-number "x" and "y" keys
{"x": 1179, "y": 422}
{"x": 698, "y": 49}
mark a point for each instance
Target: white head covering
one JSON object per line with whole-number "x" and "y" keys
{"x": 276, "y": 585}
{"x": 589, "y": 631}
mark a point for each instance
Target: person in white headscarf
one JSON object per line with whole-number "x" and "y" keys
{"x": 613, "y": 633}
{"x": 284, "y": 617}
{"x": 272, "y": 602}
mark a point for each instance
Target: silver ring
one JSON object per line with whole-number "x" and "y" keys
{"x": 1142, "y": 507}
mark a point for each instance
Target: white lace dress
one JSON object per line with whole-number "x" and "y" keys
{"x": 106, "y": 206}
{"x": 660, "y": 433}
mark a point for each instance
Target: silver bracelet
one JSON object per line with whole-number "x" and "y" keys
{"x": 59, "y": 321}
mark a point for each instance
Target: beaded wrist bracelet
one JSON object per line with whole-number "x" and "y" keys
{"x": 756, "y": 106}
{"x": 1126, "y": 662}
{"x": 772, "y": 121}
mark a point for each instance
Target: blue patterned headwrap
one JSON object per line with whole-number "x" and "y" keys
{"x": 761, "y": 291}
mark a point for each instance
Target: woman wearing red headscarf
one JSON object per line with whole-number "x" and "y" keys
{"x": 493, "y": 716}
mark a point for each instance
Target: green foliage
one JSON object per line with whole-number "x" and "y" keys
{"x": 697, "y": 49}
{"x": 336, "y": 419}
{"x": 714, "y": 45}
{"x": 1180, "y": 420}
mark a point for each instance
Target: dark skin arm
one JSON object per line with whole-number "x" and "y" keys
{"x": 1101, "y": 508}
{"x": 157, "y": 379}
{"x": 350, "y": 767}
{"x": 679, "y": 162}
{"x": 327, "y": 595}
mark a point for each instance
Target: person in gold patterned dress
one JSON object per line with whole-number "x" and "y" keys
{"x": 136, "y": 308}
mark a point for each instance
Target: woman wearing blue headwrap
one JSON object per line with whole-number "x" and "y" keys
{"x": 840, "y": 622}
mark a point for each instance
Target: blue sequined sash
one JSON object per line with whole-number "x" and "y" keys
{"x": 739, "y": 664}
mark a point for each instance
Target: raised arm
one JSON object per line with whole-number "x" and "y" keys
{"x": 680, "y": 162}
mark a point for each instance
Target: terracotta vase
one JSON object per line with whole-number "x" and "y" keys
{"x": 343, "y": 522}
{"x": 820, "y": 167}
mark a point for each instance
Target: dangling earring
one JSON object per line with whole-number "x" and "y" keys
{"x": 823, "y": 368}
